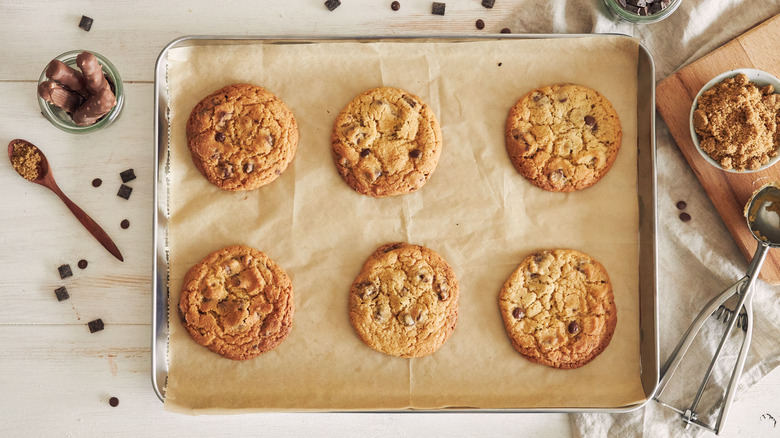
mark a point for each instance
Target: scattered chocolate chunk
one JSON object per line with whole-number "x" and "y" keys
{"x": 97, "y": 182}
{"x": 65, "y": 271}
{"x": 95, "y": 326}
{"x": 500, "y": 64}
{"x": 506, "y": 30}
{"x": 364, "y": 153}
{"x": 86, "y": 23}
{"x": 395, "y": 6}
{"x": 681, "y": 205}
{"x": 590, "y": 121}
{"x": 480, "y": 24}
{"x": 437, "y": 8}
{"x": 414, "y": 153}
{"x": 125, "y": 224}
{"x": 685, "y": 217}
{"x": 488, "y": 3}
{"x": 518, "y": 313}
{"x": 83, "y": 264}
{"x": 574, "y": 328}
{"x": 124, "y": 191}
{"x": 219, "y": 136}
{"x": 332, "y": 4}
{"x": 127, "y": 175}
{"x": 61, "y": 293}
{"x": 113, "y": 401}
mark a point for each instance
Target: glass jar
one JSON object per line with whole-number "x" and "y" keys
{"x": 632, "y": 17}
{"x": 61, "y": 119}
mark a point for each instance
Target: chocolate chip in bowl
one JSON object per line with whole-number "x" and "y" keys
{"x": 733, "y": 121}
{"x": 80, "y": 92}
{"x": 641, "y": 11}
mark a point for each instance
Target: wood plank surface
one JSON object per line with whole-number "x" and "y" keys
{"x": 729, "y": 192}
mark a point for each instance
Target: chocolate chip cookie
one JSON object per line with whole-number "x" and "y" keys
{"x": 558, "y": 308}
{"x": 386, "y": 142}
{"x": 241, "y": 137}
{"x": 563, "y": 137}
{"x": 404, "y": 302}
{"x": 237, "y": 302}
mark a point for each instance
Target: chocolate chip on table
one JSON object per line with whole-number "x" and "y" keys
{"x": 125, "y": 224}
{"x": 219, "y": 136}
{"x": 574, "y": 327}
{"x": 395, "y": 6}
{"x": 127, "y": 175}
{"x": 681, "y": 205}
{"x": 506, "y": 30}
{"x": 437, "y": 8}
{"x": 414, "y": 153}
{"x": 65, "y": 271}
{"x": 61, "y": 293}
{"x": 124, "y": 191}
{"x": 113, "y": 401}
{"x": 332, "y": 4}
{"x": 97, "y": 182}
{"x": 685, "y": 217}
{"x": 518, "y": 313}
{"x": 85, "y": 23}
{"x": 83, "y": 264}
{"x": 95, "y": 326}
{"x": 488, "y": 3}
{"x": 480, "y": 24}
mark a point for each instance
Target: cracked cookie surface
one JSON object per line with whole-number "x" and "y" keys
{"x": 237, "y": 303}
{"x": 404, "y": 302}
{"x": 386, "y": 142}
{"x": 241, "y": 137}
{"x": 558, "y": 308}
{"x": 563, "y": 137}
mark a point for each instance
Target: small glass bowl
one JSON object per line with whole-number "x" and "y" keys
{"x": 758, "y": 77}
{"x": 59, "y": 118}
{"x": 617, "y": 10}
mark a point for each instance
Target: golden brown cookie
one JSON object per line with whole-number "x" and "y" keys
{"x": 563, "y": 137}
{"x": 558, "y": 308}
{"x": 404, "y": 302}
{"x": 237, "y": 302}
{"x": 386, "y": 142}
{"x": 241, "y": 137}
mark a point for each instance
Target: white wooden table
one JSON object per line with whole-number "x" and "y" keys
{"x": 55, "y": 377}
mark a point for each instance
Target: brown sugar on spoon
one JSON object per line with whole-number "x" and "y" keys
{"x": 26, "y": 161}
{"x": 736, "y": 121}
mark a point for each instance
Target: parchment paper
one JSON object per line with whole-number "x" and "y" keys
{"x": 476, "y": 211}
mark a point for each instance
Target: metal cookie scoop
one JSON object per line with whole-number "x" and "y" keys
{"x": 763, "y": 219}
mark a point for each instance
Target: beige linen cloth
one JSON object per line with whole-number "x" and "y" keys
{"x": 697, "y": 259}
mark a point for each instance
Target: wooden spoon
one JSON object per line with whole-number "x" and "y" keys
{"x": 45, "y": 178}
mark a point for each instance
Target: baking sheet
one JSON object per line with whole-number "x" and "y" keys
{"x": 476, "y": 211}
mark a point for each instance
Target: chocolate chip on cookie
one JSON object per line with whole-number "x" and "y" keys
{"x": 404, "y": 302}
{"x": 386, "y": 142}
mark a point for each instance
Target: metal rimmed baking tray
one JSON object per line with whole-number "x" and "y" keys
{"x": 645, "y": 191}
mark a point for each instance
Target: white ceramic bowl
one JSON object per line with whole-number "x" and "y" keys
{"x": 760, "y": 78}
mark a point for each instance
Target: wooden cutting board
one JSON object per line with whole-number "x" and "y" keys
{"x": 757, "y": 48}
